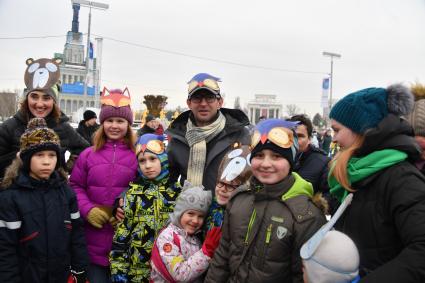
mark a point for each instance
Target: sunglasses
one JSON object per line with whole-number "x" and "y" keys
{"x": 209, "y": 83}
{"x": 155, "y": 146}
{"x": 208, "y": 98}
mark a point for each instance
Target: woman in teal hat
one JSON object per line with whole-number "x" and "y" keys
{"x": 386, "y": 218}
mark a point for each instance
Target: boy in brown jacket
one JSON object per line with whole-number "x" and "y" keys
{"x": 267, "y": 221}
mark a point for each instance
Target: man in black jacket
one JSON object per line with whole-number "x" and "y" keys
{"x": 149, "y": 127}
{"x": 202, "y": 135}
{"x": 312, "y": 162}
{"x": 88, "y": 126}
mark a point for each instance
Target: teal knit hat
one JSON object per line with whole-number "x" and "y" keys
{"x": 364, "y": 109}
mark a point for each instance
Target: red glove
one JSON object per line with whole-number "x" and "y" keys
{"x": 212, "y": 239}
{"x": 77, "y": 277}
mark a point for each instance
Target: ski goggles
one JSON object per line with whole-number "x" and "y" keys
{"x": 280, "y": 136}
{"x": 154, "y": 146}
{"x": 208, "y": 84}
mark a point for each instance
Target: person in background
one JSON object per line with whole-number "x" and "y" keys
{"x": 386, "y": 218}
{"x": 40, "y": 100}
{"x": 177, "y": 254}
{"x": 201, "y": 136}
{"x": 101, "y": 173}
{"x": 88, "y": 126}
{"x": 41, "y": 231}
{"x": 149, "y": 127}
{"x": 267, "y": 221}
{"x": 160, "y": 128}
{"x": 326, "y": 140}
{"x": 417, "y": 119}
{"x": 147, "y": 203}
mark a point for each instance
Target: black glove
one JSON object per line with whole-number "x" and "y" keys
{"x": 77, "y": 277}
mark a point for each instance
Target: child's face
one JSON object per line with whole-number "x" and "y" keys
{"x": 224, "y": 190}
{"x": 43, "y": 164}
{"x": 150, "y": 165}
{"x": 269, "y": 167}
{"x": 115, "y": 128}
{"x": 191, "y": 221}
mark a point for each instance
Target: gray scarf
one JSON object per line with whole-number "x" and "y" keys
{"x": 198, "y": 137}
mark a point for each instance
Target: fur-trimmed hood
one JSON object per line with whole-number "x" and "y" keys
{"x": 14, "y": 170}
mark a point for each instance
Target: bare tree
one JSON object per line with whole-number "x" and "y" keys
{"x": 8, "y": 102}
{"x": 292, "y": 109}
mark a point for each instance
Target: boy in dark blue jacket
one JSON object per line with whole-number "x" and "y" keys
{"x": 41, "y": 234}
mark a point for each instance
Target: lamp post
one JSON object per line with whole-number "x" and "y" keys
{"x": 94, "y": 5}
{"x": 332, "y": 55}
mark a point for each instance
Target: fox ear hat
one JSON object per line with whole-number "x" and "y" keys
{"x": 115, "y": 103}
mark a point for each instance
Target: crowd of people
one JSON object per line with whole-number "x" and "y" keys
{"x": 224, "y": 201}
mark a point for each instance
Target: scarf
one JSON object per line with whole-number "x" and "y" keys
{"x": 198, "y": 137}
{"x": 360, "y": 168}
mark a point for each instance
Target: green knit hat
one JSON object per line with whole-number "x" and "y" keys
{"x": 364, "y": 109}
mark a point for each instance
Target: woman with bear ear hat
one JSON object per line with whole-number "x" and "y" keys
{"x": 40, "y": 100}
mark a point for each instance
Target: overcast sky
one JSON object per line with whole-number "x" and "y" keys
{"x": 381, "y": 42}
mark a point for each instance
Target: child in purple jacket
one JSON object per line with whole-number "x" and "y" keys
{"x": 101, "y": 173}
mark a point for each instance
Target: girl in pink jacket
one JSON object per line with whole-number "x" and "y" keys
{"x": 101, "y": 173}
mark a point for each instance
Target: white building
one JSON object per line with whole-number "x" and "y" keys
{"x": 73, "y": 71}
{"x": 264, "y": 105}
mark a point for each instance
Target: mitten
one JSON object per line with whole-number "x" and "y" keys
{"x": 77, "y": 277}
{"x": 212, "y": 239}
{"x": 98, "y": 216}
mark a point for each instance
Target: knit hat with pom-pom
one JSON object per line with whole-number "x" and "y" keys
{"x": 364, "y": 109}
{"x": 417, "y": 116}
{"x": 38, "y": 137}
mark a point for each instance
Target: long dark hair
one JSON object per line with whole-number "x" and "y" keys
{"x": 23, "y": 107}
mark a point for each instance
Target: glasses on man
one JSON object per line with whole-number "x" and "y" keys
{"x": 208, "y": 98}
{"x": 229, "y": 188}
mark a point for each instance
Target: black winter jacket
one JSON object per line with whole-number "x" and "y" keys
{"x": 12, "y": 129}
{"x": 41, "y": 232}
{"x": 235, "y": 130}
{"x": 145, "y": 130}
{"x": 87, "y": 132}
{"x": 386, "y": 218}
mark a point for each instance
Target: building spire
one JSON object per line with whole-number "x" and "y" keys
{"x": 75, "y": 24}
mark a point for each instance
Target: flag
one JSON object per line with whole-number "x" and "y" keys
{"x": 91, "y": 50}
{"x": 325, "y": 91}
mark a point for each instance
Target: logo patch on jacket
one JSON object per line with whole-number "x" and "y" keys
{"x": 281, "y": 232}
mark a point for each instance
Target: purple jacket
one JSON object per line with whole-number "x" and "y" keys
{"x": 98, "y": 178}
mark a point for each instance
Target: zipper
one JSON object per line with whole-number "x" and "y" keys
{"x": 250, "y": 224}
{"x": 268, "y": 234}
{"x": 113, "y": 158}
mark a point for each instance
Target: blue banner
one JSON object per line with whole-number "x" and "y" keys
{"x": 76, "y": 88}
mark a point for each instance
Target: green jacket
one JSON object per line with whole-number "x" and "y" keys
{"x": 263, "y": 230}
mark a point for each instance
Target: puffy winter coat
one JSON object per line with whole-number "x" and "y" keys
{"x": 386, "y": 218}
{"x": 41, "y": 232}
{"x": 181, "y": 254}
{"x": 263, "y": 230}
{"x": 178, "y": 149}
{"x": 12, "y": 129}
{"x": 98, "y": 178}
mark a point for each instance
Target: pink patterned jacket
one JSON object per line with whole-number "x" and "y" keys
{"x": 184, "y": 260}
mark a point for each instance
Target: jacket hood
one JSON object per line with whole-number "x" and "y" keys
{"x": 14, "y": 175}
{"x": 392, "y": 132}
{"x": 235, "y": 119}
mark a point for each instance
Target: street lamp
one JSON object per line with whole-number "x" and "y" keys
{"x": 94, "y": 5}
{"x": 332, "y": 55}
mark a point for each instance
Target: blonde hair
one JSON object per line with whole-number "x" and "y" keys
{"x": 340, "y": 162}
{"x": 99, "y": 138}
